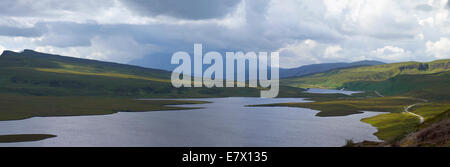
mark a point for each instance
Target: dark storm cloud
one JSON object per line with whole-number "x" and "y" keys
{"x": 187, "y": 9}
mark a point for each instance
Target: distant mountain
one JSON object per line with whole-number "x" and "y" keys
{"x": 318, "y": 68}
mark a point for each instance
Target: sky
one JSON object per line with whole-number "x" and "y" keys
{"x": 148, "y": 32}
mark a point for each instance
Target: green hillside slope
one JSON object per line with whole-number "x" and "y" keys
{"x": 426, "y": 86}
{"x": 338, "y": 78}
{"x": 32, "y": 59}
{"x": 324, "y": 67}
{"x": 428, "y": 83}
{"x": 40, "y": 74}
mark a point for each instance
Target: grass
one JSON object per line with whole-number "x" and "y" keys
{"x": 338, "y": 78}
{"x": 410, "y": 79}
{"x": 61, "y": 82}
{"x": 24, "y": 137}
{"x": 434, "y": 132}
{"x": 427, "y": 86}
{"x": 34, "y": 84}
{"x": 39, "y": 74}
{"x": 354, "y": 106}
{"x": 28, "y": 81}
{"x": 106, "y": 74}
{"x": 439, "y": 117}
{"x": 430, "y": 110}
{"x": 15, "y": 107}
{"x": 393, "y": 126}
{"x": 390, "y": 126}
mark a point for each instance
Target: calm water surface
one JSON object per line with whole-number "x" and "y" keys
{"x": 224, "y": 122}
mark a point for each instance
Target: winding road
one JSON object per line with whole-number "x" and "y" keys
{"x": 376, "y": 92}
{"x": 420, "y": 117}
{"x": 408, "y": 107}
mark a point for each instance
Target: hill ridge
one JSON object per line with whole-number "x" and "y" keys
{"x": 323, "y": 67}
{"x": 418, "y": 79}
{"x": 33, "y": 53}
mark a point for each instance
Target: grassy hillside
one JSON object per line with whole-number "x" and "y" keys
{"x": 324, "y": 67}
{"x": 411, "y": 80}
{"x": 33, "y": 73}
{"x": 338, "y": 78}
{"x": 414, "y": 80}
{"x": 32, "y": 59}
{"x": 427, "y": 86}
{"x": 40, "y": 74}
{"x": 37, "y": 84}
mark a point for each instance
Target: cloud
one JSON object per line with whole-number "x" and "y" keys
{"x": 384, "y": 19}
{"x": 23, "y": 8}
{"x": 301, "y": 53}
{"x": 439, "y": 49}
{"x": 68, "y": 34}
{"x": 310, "y": 52}
{"x": 192, "y": 9}
{"x": 147, "y": 33}
{"x": 23, "y": 32}
{"x": 333, "y": 52}
{"x": 391, "y": 53}
{"x": 2, "y": 49}
{"x": 424, "y": 7}
{"x": 111, "y": 48}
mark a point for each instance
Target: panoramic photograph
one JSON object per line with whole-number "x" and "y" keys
{"x": 216, "y": 73}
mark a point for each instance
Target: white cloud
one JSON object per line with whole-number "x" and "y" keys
{"x": 2, "y": 49}
{"x": 439, "y": 49}
{"x": 391, "y": 53}
{"x": 420, "y": 36}
{"x": 300, "y": 53}
{"x": 17, "y": 43}
{"x": 426, "y": 21}
{"x": 305, "y": 32}
{"x": 376, "y": 18}
{"x": 309, "y": 52}
{"x": 333, "y": 52}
